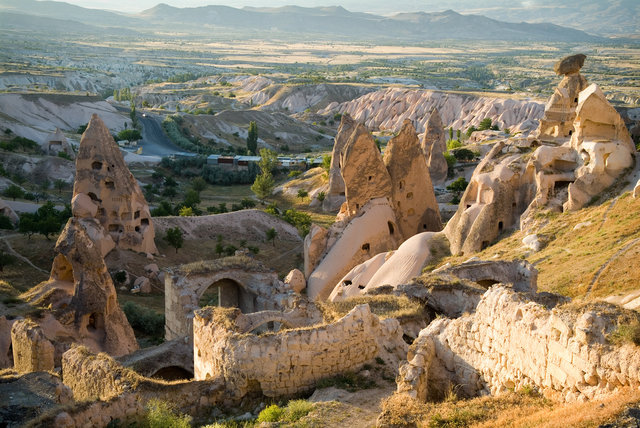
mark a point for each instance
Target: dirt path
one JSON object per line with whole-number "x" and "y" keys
{"x": 5, "y": 239}
{"x": 618, "y": 253}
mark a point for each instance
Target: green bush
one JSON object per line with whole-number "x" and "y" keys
{"x": 296, "y": 410}
{"x": 160, "y": 414}
{"x": 453, "y": 144}
{"x": 272, "y": 413}
{"x": 485, "y": 124}
{"x": 5, "y": 222}
{"x": 463, "y": 154}
{"x": 294, "y": 174}
{"x": 349, "y": 381}
{"x": 144, "y": 320}
{"x": 302, "y": 221}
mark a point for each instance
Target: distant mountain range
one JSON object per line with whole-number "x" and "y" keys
{"x": 322, "y": 22}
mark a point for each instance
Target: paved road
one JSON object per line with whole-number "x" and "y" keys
{"x": 28, "y": 207}
{"x": 154, "y": 142}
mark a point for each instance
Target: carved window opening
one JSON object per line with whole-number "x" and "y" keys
{"x": 366, "y": 247}
{"x": 391, "y": 228}
{"x": 144, "y": 222}
{"x": 346, "y": 283}
{"x": 109, "y": 184}
{"x": 136, "y": 215}
{"x": 401, "y": 184}
{"x": 93, "y": 197}
{"x": 370, "y": 177}
{"x": 410, "y": 195}
{"x": 96, "y": 165}
{"x": 485, "y": 244}
{"x": 500, "y": 226}
{"x": 424, "y": 226}
{"x": 361, "y": 287}
{"x": 137, "y": 229}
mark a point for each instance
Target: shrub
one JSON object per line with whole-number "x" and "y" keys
{"x": 348, "y": 381}
{"x": 451, "y": 162}
{"x": 296, "y": 410}
{"x": 463, "y": 154}
{"x": 626, "y": 333}
{"x": 302, "y": 221}
{"x": 120, "y": 276}
{"x": 453, "y": 144}
{"x": 321, "y": 196}
{"x": 5, "y": 222}
{"x": 485, "y": 124}
{"x": 272, "y": 413}
{"x": 64, "y": 155}
{"x": 294, "y": 174}
{"x": 144, "y": 320}
{"x": 160, "y": 414}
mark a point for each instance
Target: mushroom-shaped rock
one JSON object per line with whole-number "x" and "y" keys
{"x": 82, "y": 206}
{"x": 569, "y": 64}
{"x": 296, "y": 280}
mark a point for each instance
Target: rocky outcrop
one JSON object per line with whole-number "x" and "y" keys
{"x": 7, "y": 211}
{"x": 82, "y": 297}
{"x": 295, "y": 280}
{"x": 336, "y": 195}
{"x": 387, "y": 109}
{"x": 500, "y": 190}
{"x": 57, "y": 143}
{"x": 434, "y": 144}
{"x": 32, "y": 351}
{"x": 412, "y": 195}
{"x": 289, "y": 362}
{"x": 364, "y": 173}
{"x": 392, "y": 269}
{"x": 603, "y": 144}
{"x": 352, "y": 242}
{"x": 120, "y": 206}
{"x": 560, "y": 111}
{"x": 511, "y": 342}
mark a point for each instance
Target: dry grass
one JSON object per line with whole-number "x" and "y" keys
{"x": 572, "y": 258}
{"x": 514, "y": 409}
{"x": 384, "y": 306}
{"x": 233, "y": 262}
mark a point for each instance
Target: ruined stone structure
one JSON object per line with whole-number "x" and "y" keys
{"x": 115, "y": 197}
{"x": 238, "y": 282}
{"x": 287, "y": 362}
{"x": 83, "y": 301}
{"x": 411, "y": 190}
{"x": 57, "y": 143}
{"x": 434, "y": 144}
{"x": 6, "y": 353}
{"x": 512, "y": 341}
{"x": 32, "y": 351}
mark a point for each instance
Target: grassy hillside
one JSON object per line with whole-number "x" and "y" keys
{"x": 590, "y": 253}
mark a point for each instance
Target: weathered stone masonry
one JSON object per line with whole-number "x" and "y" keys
{"x": 292, "y": 361}
{"x": 510, "y": 342}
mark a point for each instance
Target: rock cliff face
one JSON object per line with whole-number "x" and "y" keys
{"x": 114, "y": 197}
{"x": 336, "y": 195}
{"x": 387, "y": 109}
{"x": 511, "y": 341}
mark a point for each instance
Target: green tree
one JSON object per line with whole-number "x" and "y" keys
{"x": 485, "y": 124}
{"x": 263, "y": 185}
{"x": 451, "y": 133}
{"x": 198, "y": 184}
{"x": 191, "y": 199}
{"x": 302, "y": 194}
{"x": 174, "y": 238}
{"x": 252, "y": 138}
{"x": 5, "y": 222}
{"x": 326, "y": 162}
{"x": 471, "y": 130}
{"x": 169, "y": 192}
{"x": 129, "y": 135}
{"x": 321, "y": 196}
{"x": 60, "y": 185}
{"x": 13, "y": 192}
{"x": 271, "y": 235}
{"x": 458, "y": 134}
{"x": 268, "y": 160}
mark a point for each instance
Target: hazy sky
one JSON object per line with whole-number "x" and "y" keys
{"x": 378, "y": 6}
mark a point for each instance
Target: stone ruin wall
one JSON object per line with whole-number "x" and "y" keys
{"x": 292, "y": 361}
{"x": 32, "y": 351}
{"x": 123, "y": 394}
{"x": 183, "y": 291}
{"x": 511, "y": 342}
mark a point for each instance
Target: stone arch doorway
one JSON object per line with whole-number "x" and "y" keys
{"x": 171, "y": 373}
{"x": 228, "y": 293}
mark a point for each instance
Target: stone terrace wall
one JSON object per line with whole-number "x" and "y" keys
{"x": 120, "y": 393}
{"x": 510, "y": 342}
{"x": 291, "y": 361}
